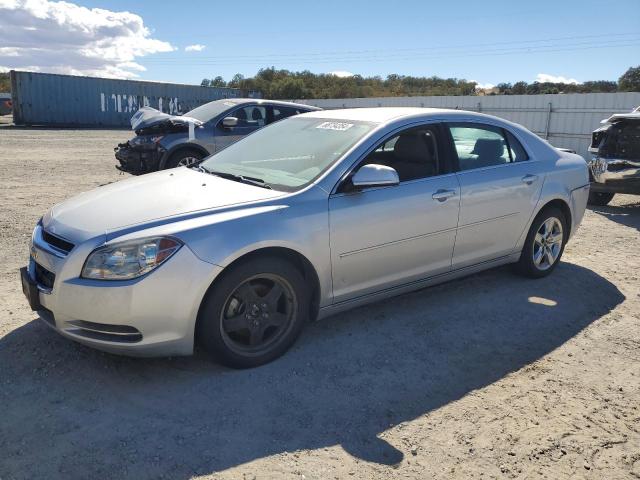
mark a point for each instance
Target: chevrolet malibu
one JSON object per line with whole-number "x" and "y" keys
{"x": 307, "y": 217}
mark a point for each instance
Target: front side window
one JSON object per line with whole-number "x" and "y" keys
{"x": 290, "y": 154}
{"x": 412, "y": 153}
{"x": 479, "y": 145}
{"x": 251, "y": 116}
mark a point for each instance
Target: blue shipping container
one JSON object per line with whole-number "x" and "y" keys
{"x": 66, "y": 100}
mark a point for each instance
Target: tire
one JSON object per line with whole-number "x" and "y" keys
{"x": 187, "y": 157}
{"x": 600, "y": 198}
{"x": 531, "y": 264}
{"x": 245, "y": 305}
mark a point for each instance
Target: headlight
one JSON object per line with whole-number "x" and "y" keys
{"x": 127, "y": 260}
{"x": 145, "y": 140}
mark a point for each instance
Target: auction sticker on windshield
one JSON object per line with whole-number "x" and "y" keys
{"x": 340, "y": 126}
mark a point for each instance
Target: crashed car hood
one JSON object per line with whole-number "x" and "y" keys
{"x": 147, "y": 117}
{"x": 167, "y": 195}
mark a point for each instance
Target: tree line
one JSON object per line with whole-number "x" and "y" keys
{"x": 285, "y": 84}
{"x": 5, "y": 82}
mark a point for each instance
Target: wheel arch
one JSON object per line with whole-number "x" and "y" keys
{"x": 561, "y": 205}
{"x": 181, "y": 146}
{"x": 301, "y": 262}
{"x": 557, "y": 202}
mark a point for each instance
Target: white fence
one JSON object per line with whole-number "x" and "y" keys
{"x": 565, "y": 120}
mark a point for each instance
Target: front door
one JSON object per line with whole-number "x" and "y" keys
{"x": 387, "y": 236}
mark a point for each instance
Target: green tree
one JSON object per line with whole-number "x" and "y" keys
{"x": 218, "y": 82}
{"x": 630, "y": 80}
{"x": 519, "y": 88}
{"x": 288, "y": 88}
{"x": 236, "y": 80}
{"x": 205, "y": 82}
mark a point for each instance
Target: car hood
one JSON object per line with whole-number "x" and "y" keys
{"x": 148, "y": 117}
{"x": 168, "y": 195}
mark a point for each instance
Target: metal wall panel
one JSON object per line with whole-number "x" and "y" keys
{"x": 65, "y": 100}
{"x": 565, "y": 120}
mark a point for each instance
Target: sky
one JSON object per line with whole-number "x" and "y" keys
{"x": 183, "y": 42}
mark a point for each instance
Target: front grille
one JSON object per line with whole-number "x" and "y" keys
{"x": 57, "y": 242}
{"x": 104, "y": 332}
{"x": 44, "y": 277}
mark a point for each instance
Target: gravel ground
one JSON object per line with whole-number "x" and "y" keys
{"x": 492, "y": 376}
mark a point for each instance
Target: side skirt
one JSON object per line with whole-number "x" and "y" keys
{"x": 415, "y": 285}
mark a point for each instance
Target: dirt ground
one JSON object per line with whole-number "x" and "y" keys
{"x": 492, "y": 376}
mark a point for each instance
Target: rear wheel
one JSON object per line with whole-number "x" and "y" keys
{"x": 600, "y": 198}
{"x": 254, "y": 313}
{"x": 182, "y": 158}
{"x": 544, "y": 244}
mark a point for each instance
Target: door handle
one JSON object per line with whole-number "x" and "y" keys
{"x": 442, "y": 195}
{"x": 529, "y": 179}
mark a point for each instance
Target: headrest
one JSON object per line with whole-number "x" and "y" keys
{"x": 256, "y": 114}
{"x": 412, "y": 147}
{"x": 488, "y": 147}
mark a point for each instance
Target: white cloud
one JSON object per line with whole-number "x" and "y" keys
{"x": 545, "y": 77}
{"x": 62, "y": 37}
{"x": 341, "y": 73}
{"x": 483, "y": 86}
{"x": 194, "y": 48}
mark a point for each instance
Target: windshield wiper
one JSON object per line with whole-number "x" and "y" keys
{"x": 258, "y": 182}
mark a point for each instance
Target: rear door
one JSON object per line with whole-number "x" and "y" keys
{"x": 500, "y": 186}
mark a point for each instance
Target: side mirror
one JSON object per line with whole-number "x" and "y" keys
{"x": 229, "y": 122}
{"x": 373, "y": 175}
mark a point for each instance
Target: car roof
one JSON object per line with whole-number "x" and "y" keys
{"x": 381, "y": 114}
{"x": 384, "y": 115}
{"x": 261, "y": 101}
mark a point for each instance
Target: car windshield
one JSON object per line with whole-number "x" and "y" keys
{"x": 206, "y": 112}
{"x": 291, "y": 153}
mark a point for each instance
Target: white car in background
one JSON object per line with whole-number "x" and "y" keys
{"x": 306, "y": 217}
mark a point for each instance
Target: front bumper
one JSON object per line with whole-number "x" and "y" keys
{"x": 615, "y": 175}
{"x": 138, "y": 159}
{"x": 153, "y": 315}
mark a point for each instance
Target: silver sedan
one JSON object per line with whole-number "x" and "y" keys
{"x": 307, "y": 217}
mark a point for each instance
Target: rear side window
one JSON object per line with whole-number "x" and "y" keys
{"x": 516, "y": 150}
{"x": 283, "y": 112}
{"x": 479, "y": 145}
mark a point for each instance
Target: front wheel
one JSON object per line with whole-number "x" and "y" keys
{"x": 544, "y": 244}
{"x": 254, "y": 312}
{"x": 184, "y": 158}
{"x": 600, "y": 198}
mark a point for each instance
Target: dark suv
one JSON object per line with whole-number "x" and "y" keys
{"x": 167, "y": 141}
